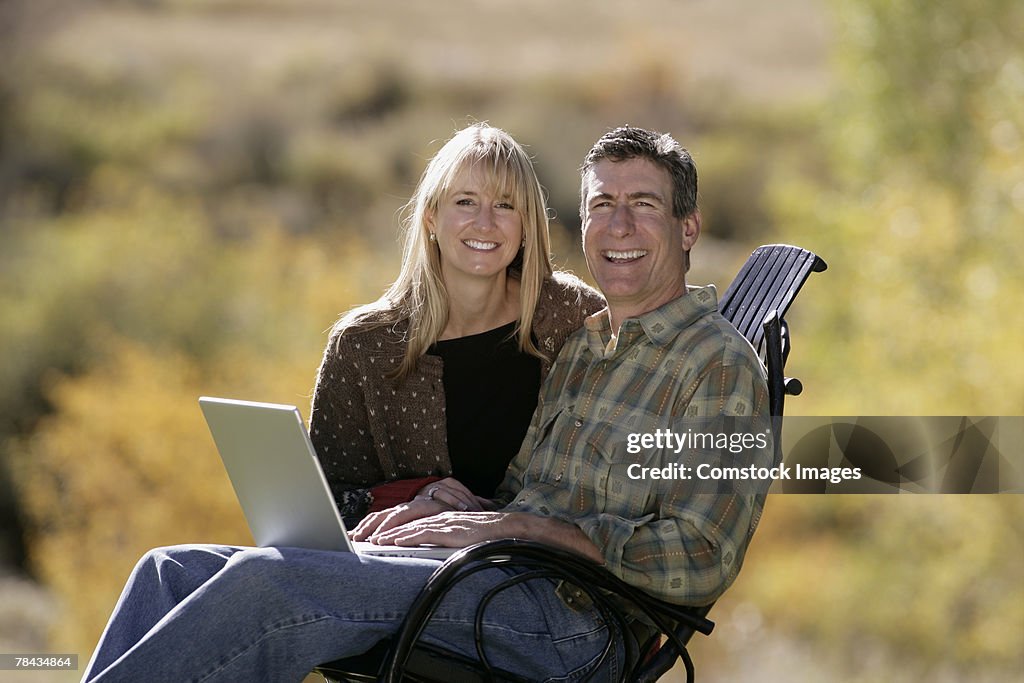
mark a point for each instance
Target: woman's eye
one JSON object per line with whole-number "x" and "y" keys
{"x": 505, "y": 205}
{"x": 465, "y": 201}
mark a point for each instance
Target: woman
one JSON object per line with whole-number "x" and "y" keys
{"x": 437, "y": 378}
{"x": 440, "y": 376}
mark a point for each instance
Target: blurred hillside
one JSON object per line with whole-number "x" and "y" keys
{"x": 191, "y": 191}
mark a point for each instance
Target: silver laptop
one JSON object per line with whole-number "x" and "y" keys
{"x": 279, "y": 482}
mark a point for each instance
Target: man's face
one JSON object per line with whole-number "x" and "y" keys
{"x": 633, "y": 244}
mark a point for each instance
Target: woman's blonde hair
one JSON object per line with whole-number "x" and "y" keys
{"x": 418, "y": 294}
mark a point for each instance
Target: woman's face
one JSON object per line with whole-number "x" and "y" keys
{"x": 478, "y": 230}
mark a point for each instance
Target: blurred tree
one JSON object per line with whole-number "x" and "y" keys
{"x": 124, "y": 461}
{"x": 920, "y": 212}
{"x": 932, "y": 585}
{"x": 123, "y": 464}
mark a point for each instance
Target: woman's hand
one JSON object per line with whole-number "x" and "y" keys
{"x": 455, "y": 495}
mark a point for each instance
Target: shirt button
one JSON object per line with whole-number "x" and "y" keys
{"x": 579, "y": 423}
{"x": 558, "y": 478}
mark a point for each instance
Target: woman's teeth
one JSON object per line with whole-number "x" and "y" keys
{"x": 483, "y": 246}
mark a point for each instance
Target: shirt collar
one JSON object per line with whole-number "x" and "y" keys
{"x": 661, "y": 325}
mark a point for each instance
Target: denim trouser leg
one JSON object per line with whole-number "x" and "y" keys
{"x": 212, "y": 613}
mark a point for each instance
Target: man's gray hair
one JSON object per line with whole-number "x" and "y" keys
{"x": 629, "y": 142}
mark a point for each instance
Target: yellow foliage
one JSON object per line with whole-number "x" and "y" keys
{"x": 124, "y": 465}
{"x": 936, "y": 576}
{"x": 125, "y": 461}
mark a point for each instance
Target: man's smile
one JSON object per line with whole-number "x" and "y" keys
{"x": 623, "y": 256}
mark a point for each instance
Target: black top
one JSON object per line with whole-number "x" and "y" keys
{"x": 490, "y": 390}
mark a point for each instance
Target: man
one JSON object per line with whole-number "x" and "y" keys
{"x": 658, "y": 366}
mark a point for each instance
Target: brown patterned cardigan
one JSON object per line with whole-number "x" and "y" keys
{"x": 367, "y": 429}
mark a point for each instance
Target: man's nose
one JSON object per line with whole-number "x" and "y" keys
{"x": 621, "y": 221}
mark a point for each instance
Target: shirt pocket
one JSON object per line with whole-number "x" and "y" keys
{"x": 615, "y": 464}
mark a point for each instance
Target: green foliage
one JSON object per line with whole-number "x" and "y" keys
{"x": 919, "y": 215}
{"x": 941, "y": 78}
{"x": 916, "y": 208}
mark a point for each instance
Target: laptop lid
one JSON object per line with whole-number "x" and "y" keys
{"x": 279, "y": 482}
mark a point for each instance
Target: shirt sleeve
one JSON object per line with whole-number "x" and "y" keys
{"x": 340, "y": 431}
{"x": 690, "y": 548}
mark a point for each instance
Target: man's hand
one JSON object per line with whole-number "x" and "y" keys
{"x": 460, "y": 529}
{"x": 385, "y": 520}
{"x": 451, "y": 529}
{"x": 439, "y": 496}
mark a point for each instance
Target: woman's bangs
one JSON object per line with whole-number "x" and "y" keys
{"x": 505, "y": 176}
{"x": 508, "y": 178}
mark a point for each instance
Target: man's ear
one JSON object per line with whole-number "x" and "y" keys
{"x": 691, "y": 229}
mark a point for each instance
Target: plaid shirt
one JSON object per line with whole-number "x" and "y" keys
{"x": 681, "y": 367}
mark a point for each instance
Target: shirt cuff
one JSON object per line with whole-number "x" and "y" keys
{"x": 610, "y": 533}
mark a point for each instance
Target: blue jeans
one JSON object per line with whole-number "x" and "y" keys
{"x": 217, "y": 613}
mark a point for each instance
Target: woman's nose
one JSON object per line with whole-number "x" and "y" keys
{"x": 485, "y": 217}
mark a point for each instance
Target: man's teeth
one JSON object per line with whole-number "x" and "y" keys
{"x": 477, "y": 244}
{"x": 625, "y": 255}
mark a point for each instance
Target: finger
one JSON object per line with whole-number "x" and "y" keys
{"x": 426, "y": 536}
{"x": 447, "y": 482}
{"x": 486, "y": 504}
{"x": 451, "y": 497}
{"x": 457, "y": 487}
{"x": 447, "y": 536}
{"x": 454, "y": 499}
{"x": 375, "y": 522}
{"x": 404, "y": 514}
{"x": 367, "y": 526}
{"x": 397, "y": 518}
{"x": 414, "y": 528}
{"x": 418, "y": 537}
